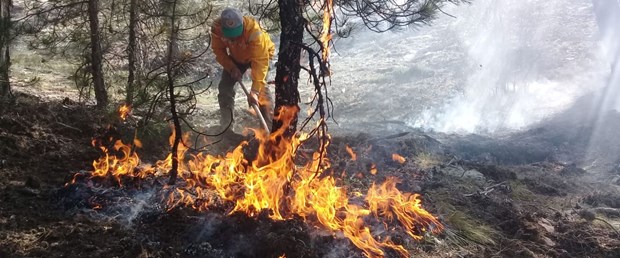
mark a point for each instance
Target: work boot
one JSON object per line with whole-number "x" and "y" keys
{"x": 231, "y": 136}
{"x": 227, "y": 133}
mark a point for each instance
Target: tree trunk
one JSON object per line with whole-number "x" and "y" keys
{"x": 168, "y": 10}
{"x": 170, "y": 72}
{"x": 131, "y": 51}
{"x": 96, "y": 54}
{"x": 5, "y": 61}
{"x": 287, "y": 71}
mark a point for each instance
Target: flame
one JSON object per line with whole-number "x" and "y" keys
{"x": 387, "y": 201}
{"x": 398, "y": 158}
{"x": 326, "y": 34}
{"x": 124, "y": 163}
{"x": 123, "y": 111}
{"x": 272, "y": 182}
{"x": 350, "y": 151}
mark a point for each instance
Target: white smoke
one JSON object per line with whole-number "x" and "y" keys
{"x": 608, "y": 20}
{"x": 527, "y": 60}
{"x": 499, "y": 65}
{"x": 136, "y": 206}
{"x": 126, "y": 208}
{"x": 604, "y": 145}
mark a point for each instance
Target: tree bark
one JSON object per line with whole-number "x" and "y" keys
{"x": 5, "y": 60}
{"x": 287, "y": 70}
{"x": 131, "y": 51}
{"x": 101, "y": 94}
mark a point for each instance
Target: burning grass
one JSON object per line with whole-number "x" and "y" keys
{"x": 274, "y": 184}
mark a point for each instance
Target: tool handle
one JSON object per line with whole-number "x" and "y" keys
{"x": 256, "y": 108}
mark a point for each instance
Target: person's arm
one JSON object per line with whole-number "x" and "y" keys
{"x": 219, "y": 48}
{"x": 261, "y": 51}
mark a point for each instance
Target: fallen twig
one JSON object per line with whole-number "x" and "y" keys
{"x": 607, "y": 211}
{"x": 486, "y": 190}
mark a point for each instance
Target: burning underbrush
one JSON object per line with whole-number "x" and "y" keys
{"x": 281, "y": 184}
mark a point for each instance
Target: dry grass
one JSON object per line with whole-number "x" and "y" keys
{"x": 427, "y": 161}
{"x": 464, "y": 229}
{"x": 34, "y": 73}
{"x": 519, "y": 191}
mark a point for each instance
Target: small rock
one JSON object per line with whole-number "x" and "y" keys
{"x": 17, "y": 183}
{"x": 67, "y": 101}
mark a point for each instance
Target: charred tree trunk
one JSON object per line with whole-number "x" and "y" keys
{"x": 170, "y": 71}
{"x": 101, "y": 93}
{"x": 5, "y": 60}
{"x": 131, "y": 50}
{"x": 287, "y": 71}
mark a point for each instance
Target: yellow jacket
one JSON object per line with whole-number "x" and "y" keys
{"x": 253, "y": 47}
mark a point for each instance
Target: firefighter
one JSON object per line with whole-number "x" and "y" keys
{"x": 239, "y": 43}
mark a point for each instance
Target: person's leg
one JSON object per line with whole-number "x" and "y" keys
{"x": 226, "y": 99}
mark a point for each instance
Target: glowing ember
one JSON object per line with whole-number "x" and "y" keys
{"x": 273, "y": 182}
{"x": 350, "y": 151}
{"x": 373, "y": 169}
{"x": 398, "y": 158}
{"x": 123, "y": 112}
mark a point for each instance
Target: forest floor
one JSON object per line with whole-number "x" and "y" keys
{"x": 513, "y": 196}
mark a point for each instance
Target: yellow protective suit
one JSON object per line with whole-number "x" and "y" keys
{"x": 253, "y": 47}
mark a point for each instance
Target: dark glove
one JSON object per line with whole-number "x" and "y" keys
{"x": 253, "y": 98}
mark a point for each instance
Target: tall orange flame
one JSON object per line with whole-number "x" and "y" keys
{"x": 326, "y": 34}
{"x": 273, "y": 182}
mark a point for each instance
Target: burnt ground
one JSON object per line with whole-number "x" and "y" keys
{"x": 537, "y": 193}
